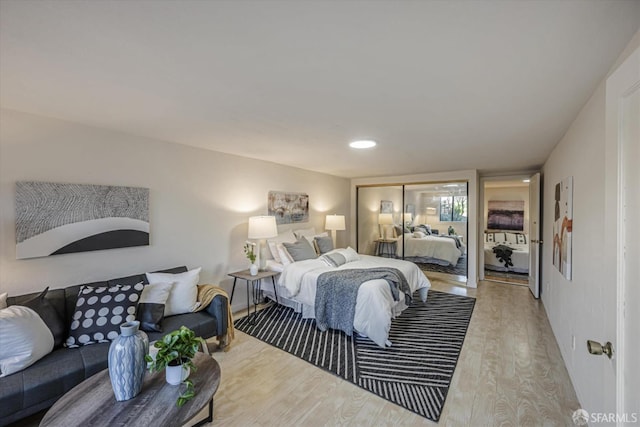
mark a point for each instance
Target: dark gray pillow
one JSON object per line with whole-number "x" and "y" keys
{"x": 300, "y": 250}
{"x": 100, "y": 311}
{"x": 324, "y": 243}
{"x": 49, "y": 315}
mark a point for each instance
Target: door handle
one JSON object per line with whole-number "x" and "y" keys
{"x": 596, "y": 348}
{"x": 536, "y": 241}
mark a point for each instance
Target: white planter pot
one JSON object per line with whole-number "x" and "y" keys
{"x": 253, "y": 270}
{"x": 176, "y": 374}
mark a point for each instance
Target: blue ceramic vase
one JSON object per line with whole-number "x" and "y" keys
{"x": 126, "y": 361}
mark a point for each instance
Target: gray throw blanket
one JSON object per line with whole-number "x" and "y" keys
{"x": 337, "y": 291}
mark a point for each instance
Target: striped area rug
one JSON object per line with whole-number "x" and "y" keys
{"x": 415, "y": 372}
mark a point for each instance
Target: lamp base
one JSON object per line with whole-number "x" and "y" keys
{"x": 262, "y": 251}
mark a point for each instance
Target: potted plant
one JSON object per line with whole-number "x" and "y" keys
{"x": 175, "y": 353}
{"x": 249, "y": 251}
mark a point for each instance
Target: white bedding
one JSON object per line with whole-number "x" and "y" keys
{"x": 375, "y": 306}
{"x": 519, "y": 258}
{"x": 441, "y": 249}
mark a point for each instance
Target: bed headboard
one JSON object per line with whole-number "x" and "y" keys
{"x": 512, "y": 237}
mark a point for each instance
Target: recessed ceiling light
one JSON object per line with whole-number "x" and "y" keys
{"x": 526, "y": 180}
{"x": 362, "y": 144}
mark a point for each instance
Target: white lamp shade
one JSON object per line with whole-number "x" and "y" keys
{"x": 335, "y": 222}
{"x": 408, "y": 217}
{"x": 385, "y": 219}
{"x": 262, "y": 227}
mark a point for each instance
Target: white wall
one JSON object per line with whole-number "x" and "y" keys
{"x": 200, "y": 201}
{"x": 471, "y": 176}
{"x": 574, "y": 308}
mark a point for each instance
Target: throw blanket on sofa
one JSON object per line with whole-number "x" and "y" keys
{"x": 206, "y": 294}
{"x": 503, "y": 253}
{"x": 337, "y": 292}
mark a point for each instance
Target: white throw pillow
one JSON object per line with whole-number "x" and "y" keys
{"x": 25, "y": 339}
{"x": 285, "y": 258}
{"x": 419, "y": 234}
{"x": 3, "y": 300}
{"x": 350, "y": 254}
{"x": 285, "y": 236}
{"x": 305, "y": 232}
{"x": 184, "y": 294}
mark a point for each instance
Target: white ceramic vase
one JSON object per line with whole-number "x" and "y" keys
{"x": 253, "y": 269}
{"x": 176, "y": 374}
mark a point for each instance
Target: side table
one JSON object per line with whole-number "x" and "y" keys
{"x": 386, "y": 248}
{"x": 255, "y": 282}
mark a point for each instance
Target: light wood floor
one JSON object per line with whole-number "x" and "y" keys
{"x": 510, "y": 373}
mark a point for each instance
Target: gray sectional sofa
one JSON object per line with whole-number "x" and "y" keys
{"x": 41, "y": 384}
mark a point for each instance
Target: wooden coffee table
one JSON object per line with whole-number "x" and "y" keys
{"x": 92, "y": 402}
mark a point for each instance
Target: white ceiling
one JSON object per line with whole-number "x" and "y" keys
{"x": 441, "y": 85}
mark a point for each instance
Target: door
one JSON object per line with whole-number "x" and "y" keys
{"x": 534, "y": 235}
{"x": 622, "y": 210}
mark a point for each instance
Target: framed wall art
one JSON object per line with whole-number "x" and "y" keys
{"x": 287, "y": 207}
{"x": 563, "y": 226}
{"x": 54, "y": 218}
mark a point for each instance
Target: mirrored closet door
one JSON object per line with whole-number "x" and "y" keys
{"x": 422, "y": 223}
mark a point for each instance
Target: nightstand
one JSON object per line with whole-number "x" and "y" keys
{"x": 255, "y": 282}
{"x": 386, "y": 247}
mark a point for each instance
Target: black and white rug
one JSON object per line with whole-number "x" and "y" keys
{"x": 459, "y": 269}
{"x": 415, "y": 372}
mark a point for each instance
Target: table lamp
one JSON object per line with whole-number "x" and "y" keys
{"x": 385, "y": 219}
{"x": 261, "y": 228}
{"x": 334, "y": 223}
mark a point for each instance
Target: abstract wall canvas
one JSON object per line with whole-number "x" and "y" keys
{"x": 288, "y": 208}
{"x": 386, "y": 206}
{"x": 563, "y": 226}
{"x": 53, "y": 218}
{"x": 505, "y": 215}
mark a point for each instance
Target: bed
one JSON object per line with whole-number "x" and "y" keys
{"x": 375, "y": 305}
{"x": 442, "y": 250}
{"x": 518, "y": 242}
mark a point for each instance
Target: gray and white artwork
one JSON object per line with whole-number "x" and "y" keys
{"x": 53, "y": 218}
{"x": 288, "y": 208}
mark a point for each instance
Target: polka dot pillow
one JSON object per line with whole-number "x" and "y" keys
{"x": 100, "y": 311}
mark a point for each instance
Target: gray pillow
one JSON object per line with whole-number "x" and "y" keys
{"x": 335, "y": 259}
{"x": 300, "y": 250}
{"x": 324, "y": 243}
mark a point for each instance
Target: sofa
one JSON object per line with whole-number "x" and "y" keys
{"x": 39, "y": 386}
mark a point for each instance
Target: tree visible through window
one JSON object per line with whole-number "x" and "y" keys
{"x": 453, "y": 208}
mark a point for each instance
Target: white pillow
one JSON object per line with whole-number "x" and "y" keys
{"x": 305, "y": 232}
{"x": 285, "y": 236}
{"x": 184, "y": 294}
{"x": 3, "y": 300}
{"x": 511, "y": 238}
{"x": 349, "y": 254}
{"x": 285, "y": 258}
{"x": 25, "y": 339}
{"x": 419, "y": 234}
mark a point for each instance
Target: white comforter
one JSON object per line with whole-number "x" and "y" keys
{"x": 519, "y": 258}
{"x": 375, "y": 306}
{"x": 438, "y": 248}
